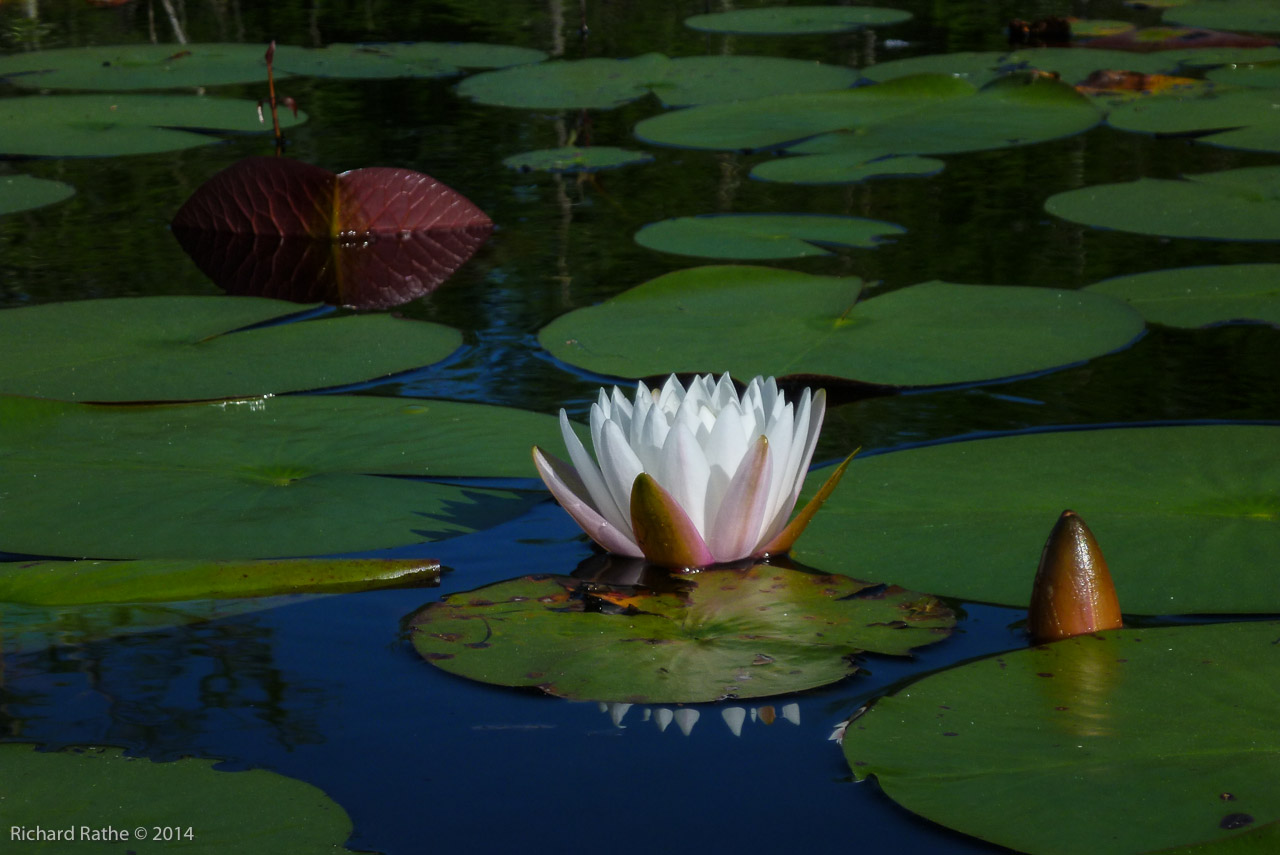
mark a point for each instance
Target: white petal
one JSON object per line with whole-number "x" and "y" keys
{"x": 737, "y": 526}
{"x": 569, "y": 491}
{"x": 725, "y": 447}
{"x": 618, "y": 464}
{"x": 601, "y": 499}
{"x": 780, "y": 433}
{"x": 683, "y": 472}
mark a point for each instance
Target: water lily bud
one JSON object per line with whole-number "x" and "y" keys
{"x": 1073, "y": 593}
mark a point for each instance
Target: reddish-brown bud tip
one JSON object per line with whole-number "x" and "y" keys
{"x": 1073, "y": 593}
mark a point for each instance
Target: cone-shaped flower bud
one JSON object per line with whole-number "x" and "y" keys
{"x": 1073, "y": 592}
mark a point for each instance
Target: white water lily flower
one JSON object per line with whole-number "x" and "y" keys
{"x": 689, "y": 477}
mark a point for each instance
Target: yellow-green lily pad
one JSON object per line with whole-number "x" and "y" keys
{"x": 722, "y": 633}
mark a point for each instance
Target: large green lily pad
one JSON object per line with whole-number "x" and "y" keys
{"x": 1263, "y": 75}
{"x": 58, "y": 583}
{"x": 1200, "y": 296}
{"x": 842, "y": 168}
{"x": 257, "y": 478}
{"x": 576, "y": 159}
{"x": 722, "y": 633}
{"x": 933, "y": 333}
{"x": 922, "y": 114}
{"x": 24, "y": 192}
{"x": 1236, "y": 204}
{"x": 1082, "y": 728}
{"x": 184, "y": 805}
{"x": 761, "y": 236}
{"x": 193, "y": 348}
{"x": 110, "y": 125}
{"x": 796, "y": 20}
{"x": 147, "y": 66}
{"x": 608, "y": 83}
{"x": 1232, "y": 118}
{"x": 1249, "y": 15}
{"x": 1176, "y": 511}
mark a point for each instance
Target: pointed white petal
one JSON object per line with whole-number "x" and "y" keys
{"x": 618, "y": 464}
{"x": 601, "y": 499}
{"x": 568, "y": 490}
{"x": 738, "y": 525}
{"x": 734, "y": 717}
{"x": 683, "y": 472}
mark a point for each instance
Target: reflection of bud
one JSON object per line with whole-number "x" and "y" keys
{"x": 1077, "y": 678}
{"x": 1073, "y": 593}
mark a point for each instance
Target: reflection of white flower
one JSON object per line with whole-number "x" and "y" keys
{"x": 690, "y": 477}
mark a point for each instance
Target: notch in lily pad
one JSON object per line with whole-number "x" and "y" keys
{"x": 722, "y": 633}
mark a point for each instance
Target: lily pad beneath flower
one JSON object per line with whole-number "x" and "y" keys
{"x": 1241, "y": 118}
{"x": 256, "y": 478}
{"x": 25, "y": 192}
{"x": 1065, "y": 730}
{"x": 1179, "y": 507}
{"x": 576, "y": 159}
{"x": 796, "y": 20}
{"x": 719, "y": 634}
{"x": 761, "y": 236}
{"x": 96, "y": 790}
{"x": 58, "y": 583}
{"x": 923, "y": 114}
{"x": 1236, "y": 204}
{"x": 928, "y": 334}
{"x": 1200, "y": 296}
{"x": 192, "y": 348}
{"x": 111, "y": 125}
{"x": 607, "y": 83}
{"x": 842, "y": 168}
{"x": 1260, "y": 16}
{"x": 146, "y": 66}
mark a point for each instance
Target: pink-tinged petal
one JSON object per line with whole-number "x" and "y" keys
{"x": 589, "y": 475}
{"x": 663, "y": 530}
{"x": 569, "y": 491}
{"x": 787, "y": 539}
{"x": 736, "y": 530}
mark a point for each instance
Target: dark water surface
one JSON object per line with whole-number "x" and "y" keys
{"x": 327, "y": 689}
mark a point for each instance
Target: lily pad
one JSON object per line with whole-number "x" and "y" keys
{"x": 1200, "y": 296}
{"x": 760, "y": 236}
{"x": 933, "y": 333}
{"x": 1065, "y": 731}
{"x": 256, "y": 478}
{"x": 796, "y": 20}
{"x": 607, "y": 83}
{"x": 147, "y": 66}
{"x": 184, "y": 804}
{"x": 1260, "y": 16}
{"x": 576, "y": 159}
{"x": 25, "y": 192}
{"x": 1263, "y": 75}
{"x": 1178, "y": 508}
{"x": 1241, "y": 118}
{"x": 842, "y": 168}
{"x": 722, "y": 633}
{"x": 923, "y": 114}
{"x": 1236, "y": 204}
{"x": 59, "y": 583}
{"x": 192, "y": 348}
{"x": 111, "y": 125}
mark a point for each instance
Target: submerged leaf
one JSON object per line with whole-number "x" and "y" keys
{"x": 718, "y": 634}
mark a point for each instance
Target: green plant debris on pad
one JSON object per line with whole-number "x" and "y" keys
{"x": 25, "y": 192}
{"x": 796, "y": 20}
{"x": 1065, "y": 730}
{"x": 53, "y": 583}
{"x": 1236, "y": 204}
{"x": 928, "y": 334}
{"x": 193, "y": 348}
{"x": 576, "y": 159}
{"x": 147, "y": 66}
{"x": 92, "y": 789}
{"x": 761, "y": 236}
{"x": 921, "y": 114}
{"x": 1177, "y": 509}
{"x": 257, "y": 478}
{"x": 113, "y": 125}
{"x": 607, "y": 83}
{"x": 842, "y": 168}
{"x": 1249, "y": 15}
{"x": 723, "y": 633}
{"x": 1243, "y": 118}
{"x": 1199, "y": 296}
